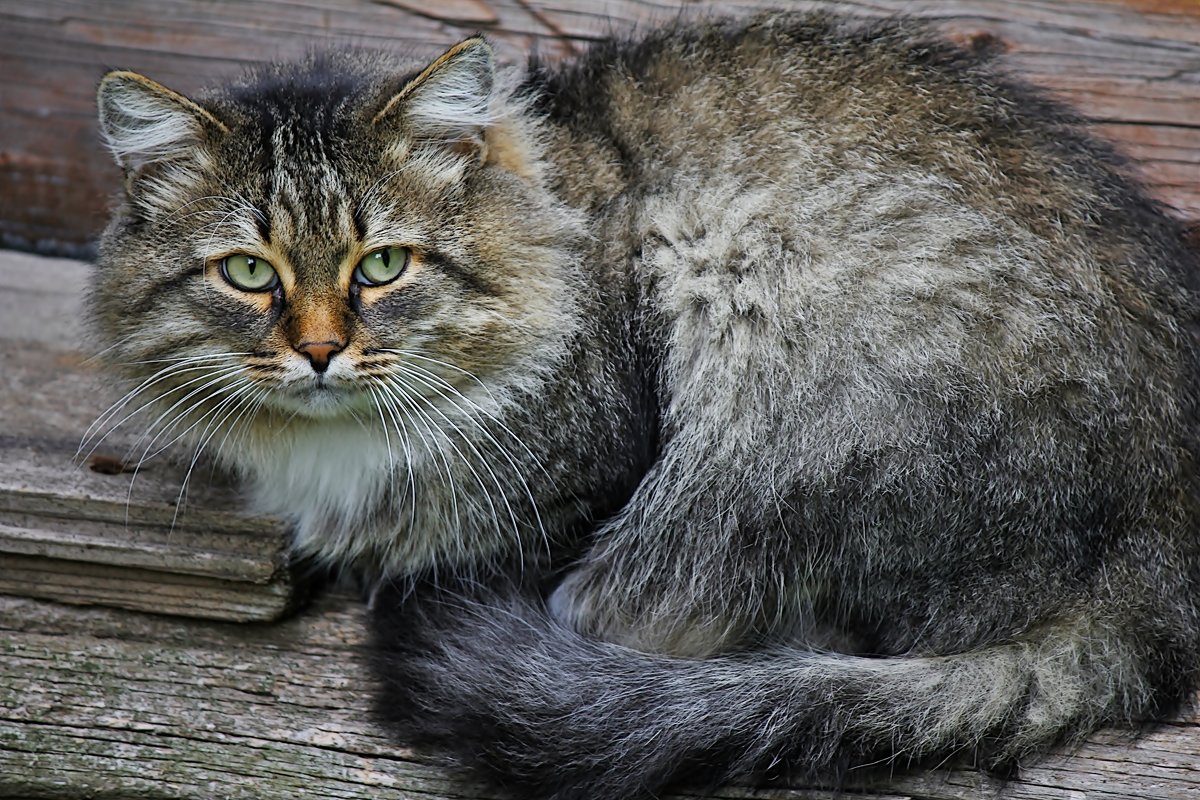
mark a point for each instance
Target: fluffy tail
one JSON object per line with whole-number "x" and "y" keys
{"x": 489, "y": 680}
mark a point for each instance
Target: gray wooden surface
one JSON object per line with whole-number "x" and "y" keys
{"x": 71, "y": 533}
{"x": 119, "y": 704}
{"x": 100, "y": 702}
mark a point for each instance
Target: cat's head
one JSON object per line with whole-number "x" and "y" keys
{"x": 329, "y": 237}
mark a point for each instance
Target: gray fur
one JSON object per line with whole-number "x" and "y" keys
{"x": 858, "y": 378}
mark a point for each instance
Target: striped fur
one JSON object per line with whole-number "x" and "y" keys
{"x": 760, "y": 398}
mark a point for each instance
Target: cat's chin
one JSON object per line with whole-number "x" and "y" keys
{"x": 320, "y": 402}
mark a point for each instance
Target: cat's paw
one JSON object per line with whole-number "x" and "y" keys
{"x": 595, "y": 602}
{"x": 571, "y": 603}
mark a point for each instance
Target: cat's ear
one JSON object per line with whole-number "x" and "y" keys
{"x": 144, "y": 122}
{"x": 450, "y": 101}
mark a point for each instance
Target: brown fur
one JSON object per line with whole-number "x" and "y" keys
{"x": 790, "y": 391}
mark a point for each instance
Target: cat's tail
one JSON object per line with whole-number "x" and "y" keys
{"x": 535, "y": 710}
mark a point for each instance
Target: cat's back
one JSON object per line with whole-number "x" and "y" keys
{"x": 847, "y": 141}
{"x": 803, "y": 100}
{"x": 759, "y": 93}
{"x": 873, "y": 221}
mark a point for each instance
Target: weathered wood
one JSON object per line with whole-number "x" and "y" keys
{"x": 76, "y": 534}
{"x": 86, "y": 583}
{"x": 96, "y": 702}
{"x": 1132, "y": 65}
{"x": 118, "y": 704}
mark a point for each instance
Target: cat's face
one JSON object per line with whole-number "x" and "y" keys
{"x": 327, "y": 240}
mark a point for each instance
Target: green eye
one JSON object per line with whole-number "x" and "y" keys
{"x": 382, "y": 266}
{"x": 248, "y": 273}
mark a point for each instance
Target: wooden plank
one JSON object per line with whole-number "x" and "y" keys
{"x": 95, "y": 702}
{"x": 79, "y": 535}
{"x": 1132, "y": 65}
{"x": 159, "y": 591}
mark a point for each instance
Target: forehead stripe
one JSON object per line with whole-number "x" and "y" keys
{"x": 263, "y": 218}
{"x": 360, "y": 226}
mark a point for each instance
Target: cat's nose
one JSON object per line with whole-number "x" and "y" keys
{"x": 319, "y": 353}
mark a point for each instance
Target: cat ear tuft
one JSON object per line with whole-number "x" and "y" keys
{"x": 451, "y": 100}
{"x": 144, "y": 122}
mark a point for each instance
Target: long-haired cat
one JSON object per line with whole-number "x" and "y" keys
{"x": 774, "y": 396}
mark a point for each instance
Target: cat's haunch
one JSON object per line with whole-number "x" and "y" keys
{"x": 765, "y": 397}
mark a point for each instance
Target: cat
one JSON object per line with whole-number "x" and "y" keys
{"x": 754, "y": 398}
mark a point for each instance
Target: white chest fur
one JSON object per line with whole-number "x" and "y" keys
{"x": 328, "y": 480}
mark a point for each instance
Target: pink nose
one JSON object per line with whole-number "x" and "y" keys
{"x": 319, "y": 353}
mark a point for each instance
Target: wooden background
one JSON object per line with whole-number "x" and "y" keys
{"x": 100, "y": 702}
{"x": 1129, "y": 64}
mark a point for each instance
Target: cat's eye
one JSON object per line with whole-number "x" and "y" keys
{"x": 248, "y": 273}
{"x": 382, "y": 266}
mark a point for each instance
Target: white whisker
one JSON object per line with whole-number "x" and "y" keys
{"x": 207, "y": 379}
{"x": 452, "y": 367}
{"x": 421, "y": 371}
{"x": 204, "y": 357}
{"x": 517, "y": 471}
{"x": 238, "y": 399}
{"x": 479, "y": 455}
{"x": 96, "y": 358}
{"x": 387, "y": 440}
{"x": 171, "y": 425}
{"x": 405, "y": 400}
{"x": 105, "y": 418}
{"x": 259, "y": 397}
{"x": 240, "y": 384}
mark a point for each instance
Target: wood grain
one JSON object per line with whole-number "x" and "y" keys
{"x": 1131, "y": 65}
{"x": 115, "y": 536}
{"x": 95, "y": 702}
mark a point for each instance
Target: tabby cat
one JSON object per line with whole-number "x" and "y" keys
{"x": 758, "y": 398}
